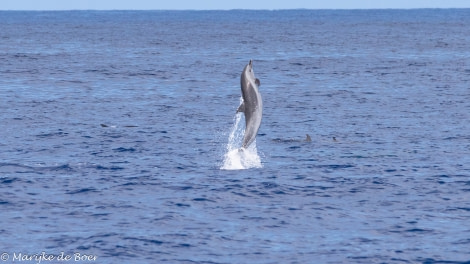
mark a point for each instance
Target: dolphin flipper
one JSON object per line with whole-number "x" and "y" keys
{"x": 257, "y": 82}
{"x": 241, "y": 108}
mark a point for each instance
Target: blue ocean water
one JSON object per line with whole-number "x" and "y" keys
{"x": 115, "y": 124}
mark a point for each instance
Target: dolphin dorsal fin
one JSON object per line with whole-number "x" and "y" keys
{"x": 241, "y": 108}
{"x": 308, "y": 138}
{"x": 257, "y": 82}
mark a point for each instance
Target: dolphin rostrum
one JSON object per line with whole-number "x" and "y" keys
{"x": 252, "y": 106}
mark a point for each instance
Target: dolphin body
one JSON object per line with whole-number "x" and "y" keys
{"x": 252, "y": 105}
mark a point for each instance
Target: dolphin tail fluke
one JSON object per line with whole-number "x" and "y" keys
{"x": 241, "y": 108}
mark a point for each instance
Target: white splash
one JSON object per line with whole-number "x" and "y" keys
{"x": 236, "y": 159}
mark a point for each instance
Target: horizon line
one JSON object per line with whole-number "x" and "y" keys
{"x": 234, "y": 9}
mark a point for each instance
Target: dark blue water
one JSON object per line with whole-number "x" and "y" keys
{"x": 114, "y": 126}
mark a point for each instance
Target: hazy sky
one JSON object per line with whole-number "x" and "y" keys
{"x": 226, "y": 4}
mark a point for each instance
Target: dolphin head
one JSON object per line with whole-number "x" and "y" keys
{"x": 248, "y": 71}
{"x": 248, "y": 76}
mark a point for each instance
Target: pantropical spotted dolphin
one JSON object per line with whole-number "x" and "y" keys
{"x": 252, "y": 105}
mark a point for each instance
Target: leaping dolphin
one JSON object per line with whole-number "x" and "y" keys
{"x": 252, "y": 105}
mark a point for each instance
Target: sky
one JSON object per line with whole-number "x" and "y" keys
{"x": 224, "y": 4}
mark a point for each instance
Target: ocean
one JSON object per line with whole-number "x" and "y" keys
{"x": 119, "y": 134}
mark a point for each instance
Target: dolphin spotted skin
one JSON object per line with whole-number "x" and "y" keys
{"x": 252, "y": 105}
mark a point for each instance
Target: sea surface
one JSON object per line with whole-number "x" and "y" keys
{"x": 115, "y": 128}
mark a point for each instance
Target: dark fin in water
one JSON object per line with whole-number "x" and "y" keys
{"x": 257, "y": 82}
{"x": 131, "y": 126}
{"x": 241, "y": 108}
{"x": 103, "y": 125}
{"x": 334, "y": 139}
{"x": 308, "y": 139}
